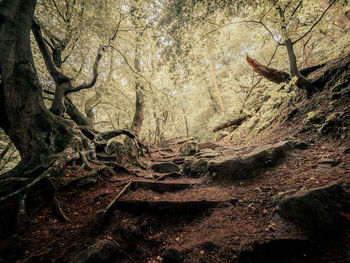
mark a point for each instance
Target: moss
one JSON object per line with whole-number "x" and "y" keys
{"x": 312, "y": 117}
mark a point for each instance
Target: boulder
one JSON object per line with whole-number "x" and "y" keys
{"x": 165, "y": 167}
{"x": 195, "y": 167}
{"x": 189, "y": 148}
{"x": 317, "y": 211}
{"x": 103, "y": 251}
{"x": 249, "y": 165}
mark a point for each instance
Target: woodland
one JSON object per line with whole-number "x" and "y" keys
{"x": 174, "y": 131}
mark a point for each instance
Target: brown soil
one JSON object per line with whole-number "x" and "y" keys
{"x": 241, "y": 216}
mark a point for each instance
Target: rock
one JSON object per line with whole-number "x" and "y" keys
{"x": 208, "y": 145}
{"x": 165, "y": 167}
{"x": 189, "y": 148}
{"x": 172, "y": 255}
{"x": 334, "y": 124}
{"x": 249, "y": 165}
{"x": 207, "y": 153}
{"x": 209, "y": 246}
{"x": 297, "y": 144}
{"x": 195, "y": 167}
{"x": 103, "y": 251}
{"x": 180, "y": 160}
{"x": 312, "y": 117}
{"x": 316, "y": 211}
{"x": 327, "y": 163}
{"x": 301, "y": 145}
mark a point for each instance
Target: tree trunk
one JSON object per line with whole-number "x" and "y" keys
{"x": 293, "y": 68}
{"x": 185, "y": 119}
{"x": 136, "y": 124}
{"x": 302, "y": 82}
{"x": 90, "y": 104}
{"x": 35, "y": 132}
{"x": 217, "y": 91}
{"x": 76, "y": 115}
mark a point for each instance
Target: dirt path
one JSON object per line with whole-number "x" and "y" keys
{"x": 200, "y": 222}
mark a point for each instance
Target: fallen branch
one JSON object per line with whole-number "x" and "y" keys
{"x": 228, "y": 124}
{"x": 271, "y": 74}
{"x": 102, "y": 215}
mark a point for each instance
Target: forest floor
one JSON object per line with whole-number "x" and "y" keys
{"x": 200, "y": 222}
{"x": 242, "y": 215}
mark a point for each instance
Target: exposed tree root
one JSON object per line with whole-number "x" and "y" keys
{"x": 42, "y": 185}
{"x": 82, "y": 145}
{"x": 102, "y": 215}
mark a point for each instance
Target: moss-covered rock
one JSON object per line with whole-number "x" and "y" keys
{"x": 249, "y": 165}
{"x": 312, "y": 117}
{"x": 195, "y": 168}
{"x": 189, "y": 148}
{"x": 317, "y": 211}
{"x": 336, "y": 125}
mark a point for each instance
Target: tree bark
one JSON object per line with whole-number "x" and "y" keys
{"x": 271, "y": 74}
{"x": 136, "y": 124}
{"x": 217, "y": 91}
{"x": 63, "y": 83}
{"x": 293, "y": 68}
{"x": 35, "y": 132}
{"x": 278, "y": 76}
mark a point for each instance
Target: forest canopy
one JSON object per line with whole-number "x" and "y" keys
{"x": 166, "y": 69}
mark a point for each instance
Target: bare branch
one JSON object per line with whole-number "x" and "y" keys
{"x": 59, "y": 12}
{"x": 312, "y": 27}
{"x": 95, "y": 74}
{"x": 296, "y": 9}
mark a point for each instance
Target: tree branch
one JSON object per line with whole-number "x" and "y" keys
{"x": 312, "y": 27}
{"x": 50, "y": 65}
{"x": 59, "y": 12}
{"x": 95, "y": 74}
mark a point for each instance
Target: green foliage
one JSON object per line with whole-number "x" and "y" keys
{"x": 173, "y": 42}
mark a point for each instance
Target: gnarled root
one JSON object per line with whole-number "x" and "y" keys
{"x": 41, "y": 189}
